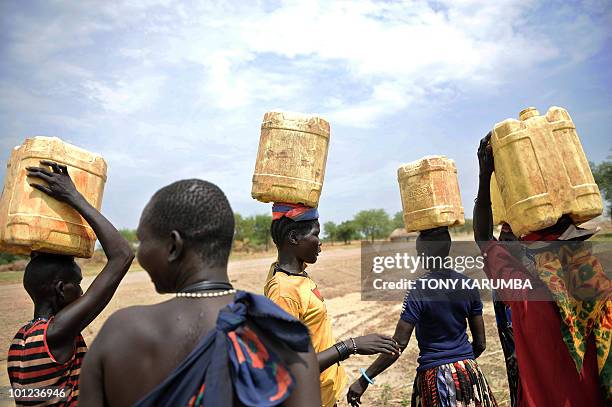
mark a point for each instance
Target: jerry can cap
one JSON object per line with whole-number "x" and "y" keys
{"x": 528, "y": 113}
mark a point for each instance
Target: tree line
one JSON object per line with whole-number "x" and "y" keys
{"x": 602, "y": 173}
{"x": 372, "y": 224}
{"x": 253, "y": 232}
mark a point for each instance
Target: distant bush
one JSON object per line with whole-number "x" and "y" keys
{"x": 466, "y": 228}
{"x": 6, "y": 258}
{"x": 252, "y": 232}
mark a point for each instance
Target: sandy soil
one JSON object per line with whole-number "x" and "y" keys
{"x": 338, "y": 275}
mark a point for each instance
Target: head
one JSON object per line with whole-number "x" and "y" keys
{"x": 187, "y": 227}
{"x": 434, "y": 243}
{"x": 53, "y": 279}
{"x": 297, "y": 238}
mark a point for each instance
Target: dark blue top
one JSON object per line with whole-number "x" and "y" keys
{"x": 440, "y": 317}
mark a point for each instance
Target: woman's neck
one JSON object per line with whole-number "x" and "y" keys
{"x": 43, "y": 310}
{"x": 290, "y": 263}
{"x": 196, "y": 273}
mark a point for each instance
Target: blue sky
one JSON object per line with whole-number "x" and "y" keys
{"x": 168, "y": 90}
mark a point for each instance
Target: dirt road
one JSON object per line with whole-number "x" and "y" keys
{"x": 338, "y": 275}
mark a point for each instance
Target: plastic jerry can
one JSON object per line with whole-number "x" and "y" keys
{"x": 30, "y": 220}
{"x": 542, "y": 171}
{"x": 497, "y": 204}
{"x": 291, "y": 159}
{"x": 429, "y": 189}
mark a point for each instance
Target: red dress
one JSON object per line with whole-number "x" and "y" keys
{"x": 547, "y": 373}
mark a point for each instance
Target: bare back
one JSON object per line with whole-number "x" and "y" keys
{"x": 140, "y": 346}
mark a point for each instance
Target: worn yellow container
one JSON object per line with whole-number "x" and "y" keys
{"x": 497, "y": 204}
{"x": 30, "y": 220}
{"x": 430, "y": 193}
{"x": 542, "y": 171}
{"x": 291, "y": 160}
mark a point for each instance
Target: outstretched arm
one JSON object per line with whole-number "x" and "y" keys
{"x": 403, "y": 332}
{"x": 483, "y": 216}
{"x": 71, "y": 320}
{"x": 364, "y": 345}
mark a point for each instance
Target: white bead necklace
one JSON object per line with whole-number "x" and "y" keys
{"x": 205, "y": 294}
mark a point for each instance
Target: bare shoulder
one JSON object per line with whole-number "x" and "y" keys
{"x": 129, "y": 324}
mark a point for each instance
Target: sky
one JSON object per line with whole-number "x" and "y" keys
{"x": 166, "y": 90}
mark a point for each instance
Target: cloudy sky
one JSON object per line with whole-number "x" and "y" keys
{"x": 168, "y": 90}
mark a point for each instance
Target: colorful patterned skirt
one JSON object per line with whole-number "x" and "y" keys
{"x": 454, "y": 384}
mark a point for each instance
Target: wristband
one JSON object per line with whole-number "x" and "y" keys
{"x": 343, "y": 350}
{"x": 354, "y": 346}
{"x": 363, "y": 373}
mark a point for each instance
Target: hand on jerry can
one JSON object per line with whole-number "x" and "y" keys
{"x": 59, "y": 183}
{"x": 485, "y": 155}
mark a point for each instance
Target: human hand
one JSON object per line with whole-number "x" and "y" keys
{"x": 59, "y": 183}
{"x": 375, "y": 343}
{"x": 485, "y": 156}
{"x": 353, "y": 397}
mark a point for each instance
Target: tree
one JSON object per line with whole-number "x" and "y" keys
{"x": 373, "y": 223}
{"x": 602, "y": 173}
{"x": 130, "y": 236}
{"x": 261, "y": 230}
{"x": 6, "y": 258}
{"x": 243, "y": 227}
{"x": 331, "y": 231}
{"x": 398, "y": 220}
{"x": 346, "y": 231}
{"x": 465, "y": 228}
{"x": 253, "y": 231}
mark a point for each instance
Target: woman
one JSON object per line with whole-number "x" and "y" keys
{"x": 209, "y": 345}
{"x": 295, "y": 231}
{"x": 448, "y": 374}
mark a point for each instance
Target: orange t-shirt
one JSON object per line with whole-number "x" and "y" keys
{"x": 300, "y": 297}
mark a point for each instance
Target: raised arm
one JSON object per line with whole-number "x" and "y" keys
{"x": 403, "y": 332}
{"x": 483, "y": 216}
{"x": 72, "y": 319}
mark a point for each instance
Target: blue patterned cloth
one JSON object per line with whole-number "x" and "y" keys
{"x": 231, "y": 361}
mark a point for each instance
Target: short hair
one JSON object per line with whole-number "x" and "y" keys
{"x": 44, "y": 269}
{"x": 434, "y": 242}
{"x": 281, "y": 228}
{"x": 199, "y": 211}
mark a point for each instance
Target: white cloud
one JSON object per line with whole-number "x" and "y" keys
{"x": 171, "y": 89}
{"x": 409, "y": 44}
{"x": 126, "y": 97}
{"x": 419, "y": 47}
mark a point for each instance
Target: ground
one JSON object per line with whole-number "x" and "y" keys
{"x": 338, "y": 275}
